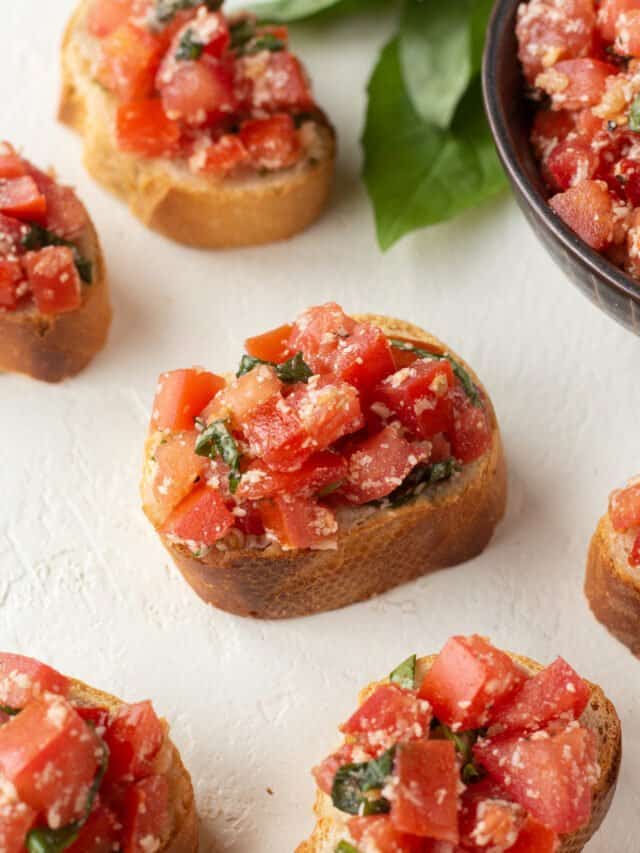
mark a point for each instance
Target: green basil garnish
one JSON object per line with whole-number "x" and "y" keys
{"x": 166, "y": 10}
{"x": 352, "y": 781}
{"x": 345, "y": 847}
{"x": 420, "y": 477}
{"x": 459, "y": 371}
{"x": 216, "y": 439}
{"x": 405, "y": 673}
{"x": 330, "y": 489}
{"x": 241, "y": 33}
{"x": 189, "y": 48}
{"x": 38, "y": 238}
{"x": 293, "y": 370}
{"x": 267, "y": 41}
{"x": 12, "y": 712}
{"x": 463, "y": 742}
{"x": 634, "y": 115}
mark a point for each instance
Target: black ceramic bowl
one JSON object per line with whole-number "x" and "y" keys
{"x": 611, "y": 289}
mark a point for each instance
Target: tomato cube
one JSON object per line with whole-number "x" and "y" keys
{"x": 282, "y": 85}
{"x": 221, "y": 157}
{"x": 624, "y": 507}
{"x": 634, "y": 556}
{"x": 587, "y": 208}
{"x": 272, "y": 143}
{"x": 609, "y": 13}
{"x": 11, "y": 277}
{"x": 550, "y": 775}
{"x": 177, "y": 469}
{"x": 471, "y": 433}
{"x": 327, "y": 410}
{"x": 143, "y": 128}
{"x": 66, "y": 215}
{"x": 298, "y": 522}
{"x": 487, "y": 818}
{"x": 425, "y": 799}
{"x": 23, "y": 678}
{"x": 11, "y": 164}
{"x": 551, "y": 127}
{"x": 146, "y": 821}
{"x": 322, "y": 470}
{"x": 388, "y": 716}
{"x": 181, "y": 395}
{"x": 20, "y": 197}
{"x": 364, "y": 358}
{"x": 325, "y": 772}
{"x": 105, "y": 16}
{"x": 100, "y": 833}
{"x": 378, "y": 833}
{"x": 12, "y": 232}
{"x": 379, "y": 464}
{"x": 97, "y": 717}
{"x": 574, "y": 84}
{"x": 557, "y": 691}
{"x": 200, "y": 92}
{"x": 130, "y": 59}
{"x": 48, "y": 732}
{"x": 548, "y": 31}
{"x": 201, "y": 518}
{"x": 276, "y": 435}
{"x": 627, "y": 41}
{"x": 244, "y": 395}
{"x": 570, "y": 161}
{"x": 16, "y": 819}
{"x": 54, "y": 280}
{"x": 535, "y": 838}
{"x": 420, "y": 396}
{"x": 271, "y": 346}
{"x": 468, "y": 681}
{"x": 316, "y": 334}
{"x": 134, "y": 738}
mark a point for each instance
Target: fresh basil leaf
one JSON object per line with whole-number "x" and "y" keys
{"x": 267, "y": 41}
{"x": 330, "y": 489}
{"x": 190, "y": 48}
{"x": 241, "y": 32}
{"x": 471, "y": 773}
{"x": 634, "y": 115}
{"x": 12, "y": 712}
{"x": 416, "y": 173}
{"x": 405, "y": 673}
{"x": 419, "y": 478}
{"x": 345, "y": 847}
{"x": 166, "y": 10}
{"x": 38, "y": 238}
{"x": 463, "y": 742}
{"x": 352, "y": 781}
{"x": 295, "y": 369}
{"x": 216, "y": 439}
{"x": 459, "y": 371}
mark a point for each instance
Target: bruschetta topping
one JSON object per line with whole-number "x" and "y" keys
{"x": 322, "y": 414}
{"x": 73, "y": 776}
{"x": 476, "y": 755}
{"x": 624, "y": 512}
{"x": 40, "y": 222}
{"x": 224, "y": 95}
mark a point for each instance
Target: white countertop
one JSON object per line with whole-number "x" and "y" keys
{"x": 84, "y": 581}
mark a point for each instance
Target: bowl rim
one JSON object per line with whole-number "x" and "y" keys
{"x": 502, "y": 17}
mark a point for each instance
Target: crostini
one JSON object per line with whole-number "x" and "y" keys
{"x": 612, "y": 583}
{"x": 473, "y": 749}
{"x": 204, "y": 124}
{"x": 54, "y": 302}
{"x": 84, "y": 772}
{"x": 348, "y": 455}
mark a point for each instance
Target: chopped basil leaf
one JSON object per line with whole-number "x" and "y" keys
{"x": 471, "y": 773}
{"x": 352, "y": 781}
{"x": 405, "y": 673}
{"x": 330, "y": 489}
{"x": 420, "y": 477}
{"x": 267, "y": 41}
{"x": 189, "y": 48}
{"x": 38, "y": 238}
{"x": 634, "y": 115}
{"x": 293, "y": 370}
{"x": 241, "y": 33}
{"x": 345, "y": 847}
{"x": 166, "y": 10}
{"x": 12, "y": 712}
{"x": 460, "y": 372}
{"x": 463, "y": 742}
{"x": 217, "y": 439}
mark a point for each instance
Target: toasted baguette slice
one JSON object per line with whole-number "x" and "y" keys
{"x": 380, "y": 549}
{"x": 600, "y": 716}
{"x": 197, "y": 211}
{"x": 184, "y": 819}
{"x": 612, "y": 587}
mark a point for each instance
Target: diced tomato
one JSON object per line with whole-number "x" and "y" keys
{"x": 21, "y": 198}
{"x": 100, "y": 833}
{"x": 328, "y": 410}
{"x": 146, "y": 819}
{"x": 272, "y": 142}
{"x": 221, "y": 157}
{"x": 249, "y": 519}
{"x": 244, "y": 395}
{"x": 23, "y": 678}
{"x": 471, "y": 434}
{"x": 143, "y": 128}
{"x": 325, "y": 772}
{"x": 469, "y": 681}
{"x": 209, "y": 30}
{"x": 549, "y": 128}
{"x": 11, "y": 277}
{"x": 201, "y": 517}
{"x": 634, "y": 556}
{"x": 298, "y": 522}
{"x": 379, "y": 464}
{"x": 130, "y": 58}
{"x": 320, "y": 471}
{"x": 54, "y": 280}
{"x": 487, "y": 819}
{"x": 177, "y": 470}
{"x": 557, "y": 691}
{"x": 316, "y": 334}
{"x": 609, "y": 12}
{"x": 420, "y": 396}
{"x": 535, "y": 838}
{"x": 570, "y": 161}
{"x": 280, "y": 83}
{"x": 181, "y": 396}
{"x": 425, "y": 798}
{"x": 548, "y": 31}
{"x": 276, "y": 435}
{"x": 11, "y": 164}
{"x": 550, "y": 775}
{"x": 105, "y": 16}
{"x": 627, "y": 41}
{"x": 12, "y": 232}
{"x": 587, "y": 209}
{"x": 66, "y": 215}
{"x": 98, "y": 717}
{"x": 49, "y": 732}
{"x": 388, "y": 716}
{"x": 574, "y": 84}
{"x": 378, "y": 833}
{"x": 627, "y": 173}
{"x": 624, "y": 507}
{"x": 200, "y": 92}
{"x": 16, "y": 819}
{"x": 134, "y": 738}
{"x": 271, "y": 346}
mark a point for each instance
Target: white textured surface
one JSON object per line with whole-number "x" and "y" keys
{"x": 85, "y": 585}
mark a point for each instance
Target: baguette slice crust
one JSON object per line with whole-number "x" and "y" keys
{"x": 612, "y": 587}
{"x": 600, "y": 716}
{"x": 184, "y": 834}
{"x": 195, "y": 211}
{"x": 387, "y": 548}
{"x": 53, "y": 348}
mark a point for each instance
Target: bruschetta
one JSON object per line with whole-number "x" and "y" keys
{"x": 473, "y": 749}
{"x": 82, "y": 771}
{"x": 346, "y": 456}
{"x": 612, "y": 583}
{"x": 205, "y": 124}
{"x": 54, "y": 301}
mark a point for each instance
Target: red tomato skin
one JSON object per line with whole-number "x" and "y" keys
{"x": 272, "y": 142}
{"x": 420, "y": 396}
{"x": 201, "y": 517}
{"x": 199, "y": 93}
{"x": 271, "y": 346}
{"x": 576, "y": 83}
{"x": 550, "y": 127}
{"x": 425, "y": 799}
{"x": 634, "y": 556}
{"x": 146, "y": 813}
{"x": 379, "y": 834}
{"x": 16, "y": 819}
{"x": 317, "y": 332}
{"x": 557, "y": 691}
{"x": 99, "y": 834}
{"x": 624, "y": 507}
{"x": 627, "y": 173}
{"x": 21, "y": 198}
{"x": 12, "y": 231}
{"x": 283, "y": 85}
{"x": 297, "y": 522}
{"x": 471, "y": 433}
{"x": 244, "y": 395}
{"x": 276, "y": 435}
{"x": 325, "y": 772}
{"x": 23, "y": 678}
{"x": 364, "y": 359}
{"x": 181, "y": 396}
{"x": 588, "y": 210}
{"x": 130, "y": 59}
{"x": 50, "y": 732}
{"x": 328, "y": 410}
{"x": 221, "y": 158}
{"x": 178, "y": 469}
{"x": 627, "y": 41}
{"x": 566, "y": 29}
{"x": 608, "y": 14}
{"x": 11, "y": 164}
{"x": 535, "y": 838}
{"x": 54, "y": 280}
{"x": 105, "y": 16}
{"x": 98, "y": 717}
{"x": 11, "y": 277}
{"x": 142, "y": 127}
{"x": 570, "y": 161}
{"x": 134, "y": 738}
{"x": 66, "y": 215}
{"x": 468, "y": 681}
{"x": 388, "y": 716}
{"x": 319, "y": 471}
